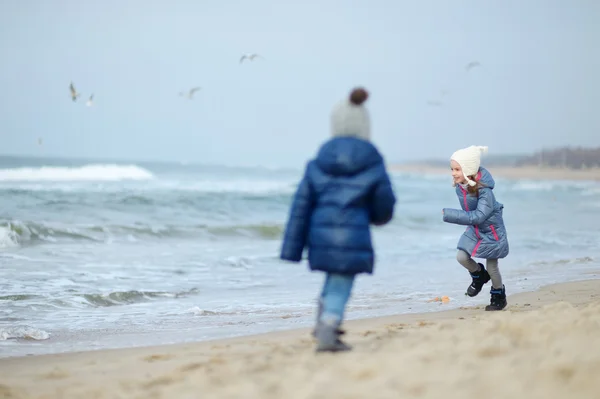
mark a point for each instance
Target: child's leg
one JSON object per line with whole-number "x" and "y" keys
{"x": 333, "y": 300}
{"x": 497, "y": 293}
{"x": 320, "y": 302}
{"x": 335, "y": 296}
{"x": 492, "y": 268}
{"x": 321, "y": 296}
{"x": 465, "y": 259}
{"x": 478, "y": 273}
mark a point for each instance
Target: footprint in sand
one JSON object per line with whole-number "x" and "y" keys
{"x": 395, "y": 326}
{"x": 192, "y": 367}
{"x": 565, "y": 372}
{"x": 491, "y": 352}
{"x": 229, "y": 346}
{"x": 157, "y": 358}
{"x": 365, "y": 374}
{"x": 159, "y": 381}
{"x": 216, "y": 360}
{"x": 56, "y": 374}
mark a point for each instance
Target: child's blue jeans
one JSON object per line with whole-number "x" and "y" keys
{"x": 334, "y": 297}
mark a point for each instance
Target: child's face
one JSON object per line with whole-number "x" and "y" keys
{"x": 457, "y": 173}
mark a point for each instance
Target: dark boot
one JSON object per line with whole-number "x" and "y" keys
{"x": 328, "y": 338}
{"x": 479, "y": 279}
{"x": 498, "y": 299}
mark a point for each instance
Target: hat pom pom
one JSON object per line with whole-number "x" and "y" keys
{"x": 483, "y": 149}
{"x": 358, "y": 96}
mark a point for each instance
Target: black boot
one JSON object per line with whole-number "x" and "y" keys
{"x": 479, "y": 279}
{"x": 498, "y": 299}
{"x": 328, "y": 337}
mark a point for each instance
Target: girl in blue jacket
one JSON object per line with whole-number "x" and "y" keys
{"x": 344, "y": 190}
{"x": 485, "y": 236}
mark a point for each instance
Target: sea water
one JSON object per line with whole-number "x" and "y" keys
{"x": 100, "y": 255}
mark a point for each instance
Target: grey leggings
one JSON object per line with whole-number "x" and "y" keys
{"x": 491, "y": 264}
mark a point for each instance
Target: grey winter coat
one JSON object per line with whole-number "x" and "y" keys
{"x": 485, "y": 236}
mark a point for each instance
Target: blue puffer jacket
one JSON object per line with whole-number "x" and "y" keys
{"x": 344, "y": 190}
{"x": 486, "y": 235}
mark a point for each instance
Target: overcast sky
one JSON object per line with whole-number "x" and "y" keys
{"x": 538, "y": 84}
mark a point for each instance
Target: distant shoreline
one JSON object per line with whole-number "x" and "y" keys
{"x": 520, "y": 173}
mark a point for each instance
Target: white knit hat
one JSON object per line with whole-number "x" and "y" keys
{"x": 469, "y": 159}
{"x": 350, "y": 118}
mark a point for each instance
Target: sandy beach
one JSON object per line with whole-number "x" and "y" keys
{"x": 521, "y": 173}
{"x": 546, "y": 344}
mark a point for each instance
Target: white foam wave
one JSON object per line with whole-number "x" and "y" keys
{"x": 592, "y": 191}
{"x": 249, "y": 186}
{"x": 552, "y": 185}
{"x": 92, "y": 172}
{"x": 23, "y": 332}
{"x": 8, "y": 238}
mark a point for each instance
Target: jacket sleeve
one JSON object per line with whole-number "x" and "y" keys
{"x": 383, "y": 201}
{"x": 485, "y": 207}
{"x": 296, "y": 231}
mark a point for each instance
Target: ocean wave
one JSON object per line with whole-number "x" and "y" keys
{"x": 147, "y": 190}
{"x": 95, "y": 300}
{"x": 17, "y": 233}
{"x": 196, "y": 311}
{"x": 129, "y": 297}
{"x": 560, "y": 262}
{"x": 22, "y": 332}
{"x": 9, "y": 238}
{"x": 17, "y": 297}
{"x": 91, "y": 172}
{"x": 251, "y": 187}
{"x": 585, "y": 187}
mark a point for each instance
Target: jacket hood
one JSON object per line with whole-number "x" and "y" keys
{"x": 486, "y": 178}
{"x": 347, "y": 156}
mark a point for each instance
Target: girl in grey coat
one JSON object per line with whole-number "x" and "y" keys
{"x": 485, "y": 236}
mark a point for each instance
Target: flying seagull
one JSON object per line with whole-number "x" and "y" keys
{"x": 190, "y": 93}
{"x": 472, "y": 65}
{"x": 40, "y": 141}
{"x": 250, "y": 57}
{"x": 74, "y": 93}
{"x": 90, "y": 101}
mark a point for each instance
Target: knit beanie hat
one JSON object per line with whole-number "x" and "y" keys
{"x": 350, "y": 118}
{"x": 469, "y": 159}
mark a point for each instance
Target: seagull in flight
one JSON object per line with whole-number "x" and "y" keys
{"x": 90, "y": 101}
{"x": 250, "y": 57}
{"x": 472, "y": 65}
{"x": 190, "y": 93}
{"x": 74, "y": 93}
